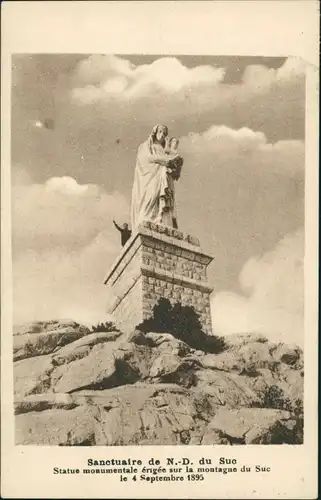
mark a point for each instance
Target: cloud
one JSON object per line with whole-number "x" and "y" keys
{"x": 101, "y": 78}
{"x": 260, "y": 79}
{"x": 250, "y": 190}
{"x": 20, "y": 176}
{"x": 63, "y": 284}
{"x": 220, "y": 145}
{"x": 120, "y": 99}
{"x": 63, "y": 244}
{"x": 272, "y": 301}
{"x": 103, "y": 107}
{"x": 106, "y": 77}
{"x": 220, "y": 141}
{"x": 293, "y": 67}
{"x": 287, "y": 156}
{"x": 62, "y": 212}
{"x": 265, "y": 97}
{"x": 65, "y": 185}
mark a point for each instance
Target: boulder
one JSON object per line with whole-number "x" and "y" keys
{"x": 279, "y": 432}
{"x": 90, "y": 371}
{"x": 287, "y": 379}
{"x": 82, "y": 347}
{"x": 32, "y": 375}
{"x": 288, "y": 354}
{"x": 240, "y": 339}
{"x": 107, "y": 365}
{"x": 228, "y": 361}
{"x": 164, "y": 365}
{"x": 56, "y": 427}
{"x": 153, "y": 415}
{"x": 171, "y": 360}
{"x": 42, "y": 326}
{"x": 213, "y": 436}
{"x": 166, "y": 341}
{"x": 173, "y": 369}
{"x": 133, "y": 362}
{"x": 253, "y": 426}
{"x": 227, "y": 389}
{"x": 42, "y": 402}
{"x": 262, "y": 381}
{"x": 291, "y": 381}
{"x": 139, "y": 338}
{"x": 256, "y": 355}
{"x": 42, "y": 338}
{"x": 241, "y": 357}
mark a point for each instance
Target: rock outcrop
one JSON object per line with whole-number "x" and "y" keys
{"x": 44, "y": 337}
{"x": 74, "y": 388}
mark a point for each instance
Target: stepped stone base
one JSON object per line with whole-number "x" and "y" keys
{"x": 157, "y": 262}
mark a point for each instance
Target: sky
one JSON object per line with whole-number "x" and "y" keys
{"x": 77, "y": 121}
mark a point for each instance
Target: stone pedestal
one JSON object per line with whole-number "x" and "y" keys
{"x": 158, "y": 262}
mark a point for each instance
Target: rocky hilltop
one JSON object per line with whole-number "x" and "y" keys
{"x": 75, "y": 387}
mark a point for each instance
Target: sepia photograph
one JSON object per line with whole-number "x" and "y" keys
{"x": 157, "y": 248}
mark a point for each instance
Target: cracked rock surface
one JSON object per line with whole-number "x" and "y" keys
{"x": 76, "y": 388}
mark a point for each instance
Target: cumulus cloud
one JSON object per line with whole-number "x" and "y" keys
{"x": 105, "y": 77}
{"x": 119, "y": 99}
{"x": 103, "y": 107}
{"x": 65, "y": 185}
{"x": 63, "y": 243}
{"x": 259, "y": 78}
{"x": 293, "y": 67}
{"x": 63, "y": 284}
{"x": 61, "y": 212}
{"x": 272, "y": 301}
{"x": 220, "y": 141}
{"x": 111, "y": 80}
{"x": 100, "y": 78}
{"x": 221, "y": 145}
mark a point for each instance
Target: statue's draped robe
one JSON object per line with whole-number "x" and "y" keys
{"x": 151, "y": 184}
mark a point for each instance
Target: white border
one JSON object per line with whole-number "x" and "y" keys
{"x": 265, "y": 28}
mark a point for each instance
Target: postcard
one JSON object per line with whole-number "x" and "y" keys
{"x": 159, "y": 249}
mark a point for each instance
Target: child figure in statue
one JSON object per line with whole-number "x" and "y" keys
{"x": 171, "y": 147}
{"x": 175, "y": 166}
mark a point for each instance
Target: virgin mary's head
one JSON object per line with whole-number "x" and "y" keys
{"x": 159, "y": 134}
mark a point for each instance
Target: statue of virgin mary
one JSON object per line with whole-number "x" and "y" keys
{"x": 153, "y": 195}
